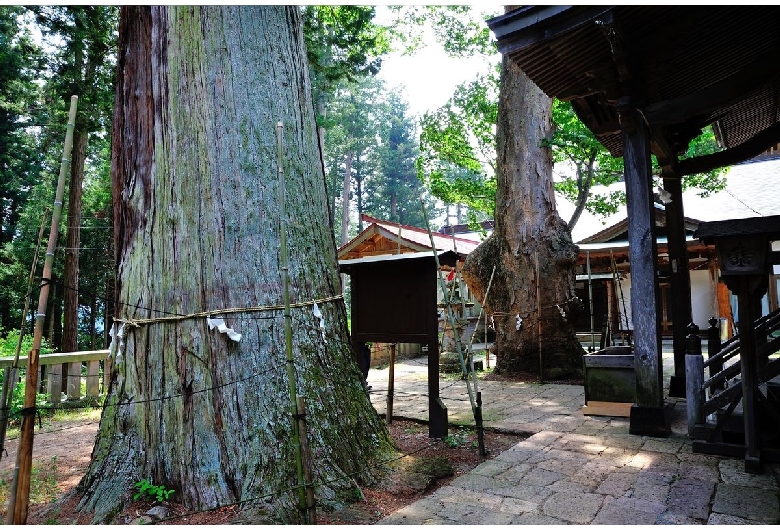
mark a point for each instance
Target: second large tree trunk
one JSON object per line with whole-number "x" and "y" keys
{"x": 532, "y": 311}
{"x": 198, "y": 228}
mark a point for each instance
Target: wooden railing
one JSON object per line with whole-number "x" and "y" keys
{"x": 94, "y": 360}
{"x": 723, "y": 389}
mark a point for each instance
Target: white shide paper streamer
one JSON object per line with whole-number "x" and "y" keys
{"x": 219, "y": 323}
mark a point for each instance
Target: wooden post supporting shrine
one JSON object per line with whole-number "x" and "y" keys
{"x": 747, "y": 358}
{"x": 648, "y": 416}
{"x": 680, "y": 281}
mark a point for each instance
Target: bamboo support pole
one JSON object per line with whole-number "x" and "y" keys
{"x": 451, "y": 316}
{"x": 619, "y": 285}
{"x": 539, "y": 318}
{"x": 311, "y": 509}
{"x": 390, "y": 386}
{"x": 288, "y": 324}
{"x": 482, "y": 310}
{"x": 12, "y": 373}
{"x": 20, "y": 491}
{"x": 590, "y": 306}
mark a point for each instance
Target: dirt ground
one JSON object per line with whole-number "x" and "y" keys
{"x": 62, "y": 451}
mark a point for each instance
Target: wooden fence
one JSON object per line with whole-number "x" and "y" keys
{"x": 54, "y": 365}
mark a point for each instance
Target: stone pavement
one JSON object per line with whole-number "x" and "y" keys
{"x": 575, "y": 469}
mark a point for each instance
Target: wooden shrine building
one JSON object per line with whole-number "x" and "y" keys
{"x": 648, "y": 79}
{"x": 393, "y": 273}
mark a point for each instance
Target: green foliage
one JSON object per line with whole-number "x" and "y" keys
{"x": 396, "y": 192}
{"x": 21, "y": 64}
{"x": 352, "y": 128}
{"x": 457, "y": 142}
{"x": 456, "y": 161}
{"x": 460, "y": 31}
{"x": 585, "y": 162}
{"x": 11, "y": 339}
{"x": 43, "y": 483}
{"x": 342, "y": 43}
{"x": 151, "y": 491}
{"x": 458, "y": 438}
{"x": 709, "y": 182}
{"x": 79, "y": 59}
{"x": 83, "y": 62}
{"x": 8, "y": 345}
{"x": 457, "y": 146}
{"x": 17, "y": 400}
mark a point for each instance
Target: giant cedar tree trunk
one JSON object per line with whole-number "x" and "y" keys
{"x": 527, "y": 228}
{"x": 200, "y": 90}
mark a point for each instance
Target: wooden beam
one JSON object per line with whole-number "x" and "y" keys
{"x": 607, "y": 408}
{"x": 753, "y": 147}
{"x": 531, "y": 25}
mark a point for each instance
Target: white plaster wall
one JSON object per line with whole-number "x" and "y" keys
{"x": 701, "y": 299}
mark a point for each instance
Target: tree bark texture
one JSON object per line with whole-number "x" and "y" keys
{"x": 527, "y": 231}
{"x": 197, "y": 227}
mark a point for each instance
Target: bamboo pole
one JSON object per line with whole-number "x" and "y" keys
{"x": 18, "y": 504}
{"x": 539, "y": 318}
{"x": 390, "y": 386}
{"x": 590, "y": 304}
{"x": 288, "y": 325}
{"x": 619, "y": 285}
{"x": 311, "y": 509}
{"x": 481, "y": 310}
{"x": 12, "y": 373}
{"x": 450, "y": 315}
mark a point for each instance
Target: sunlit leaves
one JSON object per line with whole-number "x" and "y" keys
{"x": 457, "y": 143}
{"x": 710, "y": 182}
{"x": 342, "y": 43}
{"x": 456, "y": 27}
{"x": 581, "y": 163}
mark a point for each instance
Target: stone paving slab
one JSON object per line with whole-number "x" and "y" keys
{"x": 754, "y": 504}
{"x": 576, "y": 469}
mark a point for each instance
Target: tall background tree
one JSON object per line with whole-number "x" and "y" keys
{"x": 351, "y": 146}
{"x": 396, "y": 190}
{"x": 21, "y": 63}
{"x": 344, "y": 48}
{"x": 198, "y": 228}
{"x": 532, "y": 295}
{"x": 83, "y": 66}
{"x": 83, "y": 39}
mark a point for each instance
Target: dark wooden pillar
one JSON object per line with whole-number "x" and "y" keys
{"x": 680, "y": 281}
{"x": 438, "y": 421}
{"x": 747, "y": 315}
{"x": 648, "y": 415}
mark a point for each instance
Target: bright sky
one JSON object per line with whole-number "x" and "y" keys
{"x": 429, "y": 77}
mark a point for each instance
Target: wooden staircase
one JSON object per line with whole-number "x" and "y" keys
{"x": 718, "y": 424}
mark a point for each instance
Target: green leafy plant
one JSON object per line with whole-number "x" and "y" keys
{"x": 148, "y": 490}
{"x": 457, "y": 439}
